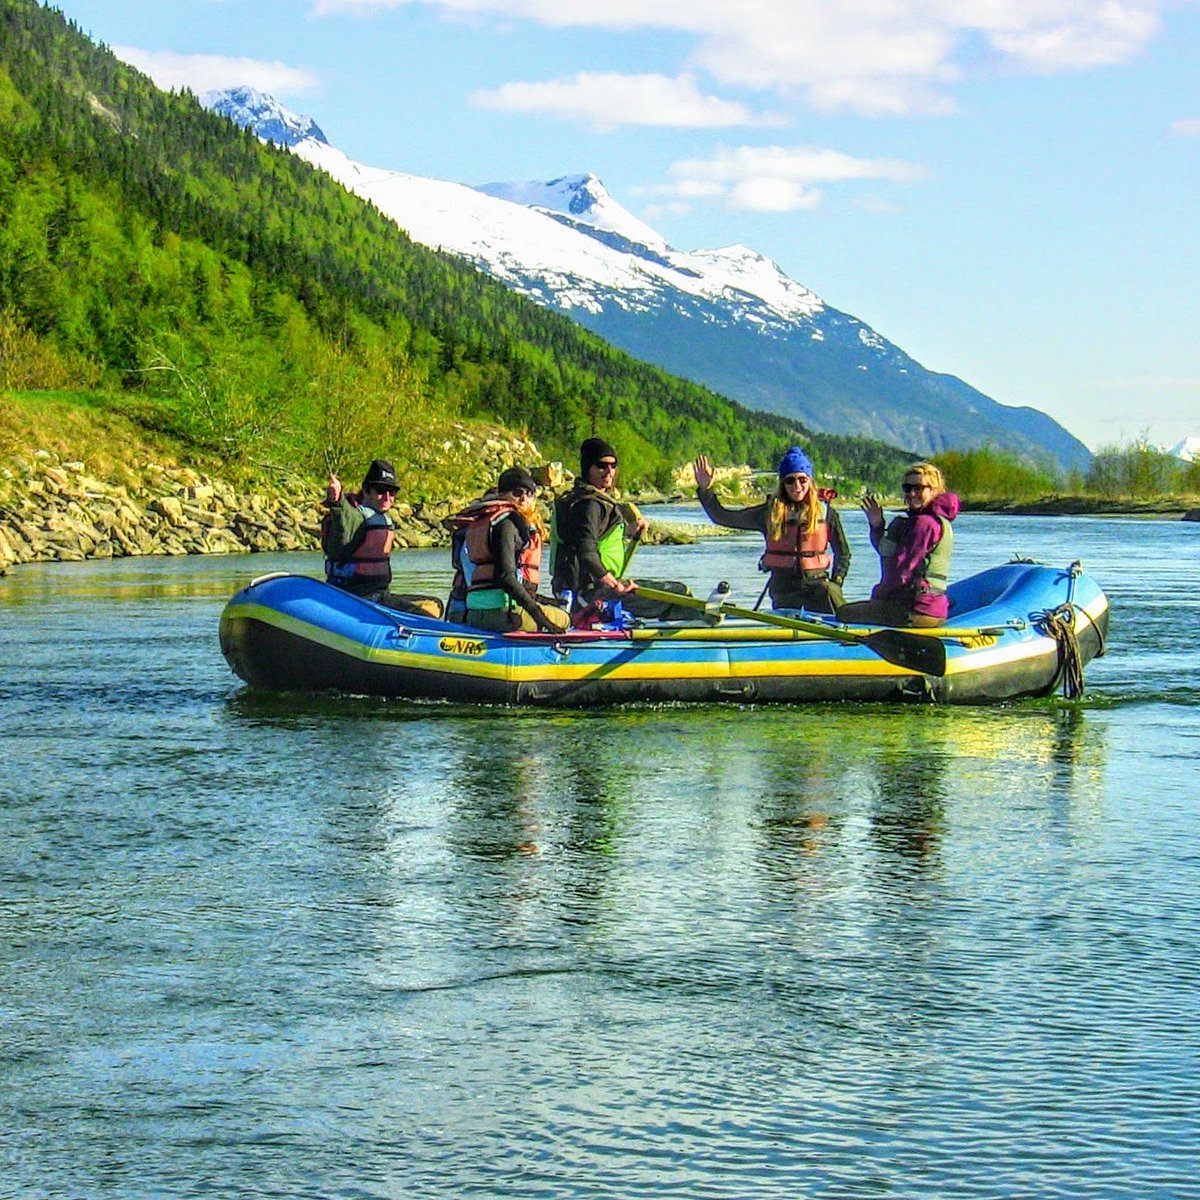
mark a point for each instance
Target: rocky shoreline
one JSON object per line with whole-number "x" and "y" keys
{"x": 53, "y": 509}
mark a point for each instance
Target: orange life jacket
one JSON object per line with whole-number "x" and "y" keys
{"x": 797, "y": 551}
{"x": 479, "y": 569}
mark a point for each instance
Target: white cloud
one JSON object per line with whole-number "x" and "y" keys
{"x": 1072, "y": 35}
{"x": 1185, "y": 127}
{"x": 773, "y": 178}
{"x": 870, "y": 56}
{"x": 608, "y": 101}
{"x": 804, "y": 164}
{"x": 764, "y": 194}
{"x": 201, "y": 72}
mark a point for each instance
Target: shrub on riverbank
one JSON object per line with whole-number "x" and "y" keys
{"x": 991, "y": 474}
{"x": 81, "y": 476}
{"x": 1135, "y": 475}
{"x": 1141, "y": 472}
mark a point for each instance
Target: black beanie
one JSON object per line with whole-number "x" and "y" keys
{"x": 516, "y": 477}
{"x": 591, "y": 452}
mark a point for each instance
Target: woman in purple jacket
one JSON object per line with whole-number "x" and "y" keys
{"x": 914, "y": 554}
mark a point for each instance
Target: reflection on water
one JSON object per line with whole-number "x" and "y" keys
{"x": 335, "y": 947}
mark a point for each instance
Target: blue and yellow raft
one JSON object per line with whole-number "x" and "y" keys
{"x": 1021, "y": 629}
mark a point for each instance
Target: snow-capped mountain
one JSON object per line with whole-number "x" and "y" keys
{"x": 728, "y": 318}
{"x": 268, "y": 118}
{"x": 1188, "y": 449}
{"x": 581, "y": 196}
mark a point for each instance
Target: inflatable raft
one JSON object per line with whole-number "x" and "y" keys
{"x": 1022, "y": 629}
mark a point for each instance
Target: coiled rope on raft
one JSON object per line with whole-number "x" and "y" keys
{"x": 1059, "y": 623}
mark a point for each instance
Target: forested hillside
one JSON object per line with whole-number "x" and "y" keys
{"x": 226, "y": 292}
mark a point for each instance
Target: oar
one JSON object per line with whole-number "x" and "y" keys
{"x": 925, "y": 655}
{"x": 632, "y": 514}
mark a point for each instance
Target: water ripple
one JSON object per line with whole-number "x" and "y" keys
{"x": 344, "y": 948}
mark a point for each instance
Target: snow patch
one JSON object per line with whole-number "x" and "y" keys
{"x": 1188, "y": 449}
{"x": 532, "y": 235}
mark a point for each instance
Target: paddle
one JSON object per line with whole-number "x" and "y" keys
{"x": 631, "y": 514}
{"x": 925, "y": 655}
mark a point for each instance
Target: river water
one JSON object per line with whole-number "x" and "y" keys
{"x": 287, "y": 947}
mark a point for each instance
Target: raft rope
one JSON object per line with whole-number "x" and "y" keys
{"x": 1059, "y": 623}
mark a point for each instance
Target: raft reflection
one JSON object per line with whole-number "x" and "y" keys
{"x": 559, "y": 802}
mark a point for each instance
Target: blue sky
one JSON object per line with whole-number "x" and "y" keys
{"x": 1008, "y": 189}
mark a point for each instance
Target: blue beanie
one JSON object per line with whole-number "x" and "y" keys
{"x": 795, "y": 462}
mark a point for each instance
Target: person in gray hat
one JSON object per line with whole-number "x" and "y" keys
{"x": 497, "y": 552}
{"x": 357, "y": 535}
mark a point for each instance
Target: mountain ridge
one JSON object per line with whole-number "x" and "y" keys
{"x": 176, "y": 266}
{"x": 728, "y": 318}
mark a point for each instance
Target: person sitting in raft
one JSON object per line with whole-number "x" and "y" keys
{"x": 594, "y": 539}
{"x": 807, "y": 553}
{"x": 499, "y": 560}
{"x": 357, "y": 534}
{"x": 914, "y": 553}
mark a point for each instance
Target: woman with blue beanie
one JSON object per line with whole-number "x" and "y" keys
{"x": 807, "y": 553}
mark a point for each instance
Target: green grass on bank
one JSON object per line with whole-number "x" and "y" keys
{"x": 90, "y": 428}
{"x": 117, "y": 435}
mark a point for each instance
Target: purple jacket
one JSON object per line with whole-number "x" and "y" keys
{"x": 915, "y": 536}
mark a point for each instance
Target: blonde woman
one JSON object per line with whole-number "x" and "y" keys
{"x": 806, "y": 553}
{"x": 499, "y": 560}
{"x": 914, "y": 554}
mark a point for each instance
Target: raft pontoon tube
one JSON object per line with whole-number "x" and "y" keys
{"x": 1015, "y": 630}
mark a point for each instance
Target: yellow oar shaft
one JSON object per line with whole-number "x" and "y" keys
{"x": 924, "y": 655}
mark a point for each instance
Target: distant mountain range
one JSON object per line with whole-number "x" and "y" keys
{"x": 729, "y": 318}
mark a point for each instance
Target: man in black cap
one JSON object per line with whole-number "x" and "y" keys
{"x": 497, "y": 552}
{"x": 357, "y": 535}
{"x": 595, "y": 537}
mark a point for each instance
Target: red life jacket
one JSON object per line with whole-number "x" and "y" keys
{"x": 368, "y": 560}
{"x": 370, "y": 557}
{"x": 480, "y": 567}
{"x": 796, "y": 551}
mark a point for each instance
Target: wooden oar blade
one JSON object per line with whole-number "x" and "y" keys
{"x": 910, "y": 650}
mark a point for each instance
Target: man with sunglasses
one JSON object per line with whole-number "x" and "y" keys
{"x": 357, "y": 535}
{"x": 594, "y": 539}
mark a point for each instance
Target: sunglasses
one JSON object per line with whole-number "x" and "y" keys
{"x": 524, "y": 491}
{"x": 914, "y": 487}
{"x": 605, "y": 464}
{"x": 790, "y": 479}
{"x": 381, "y": 491}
